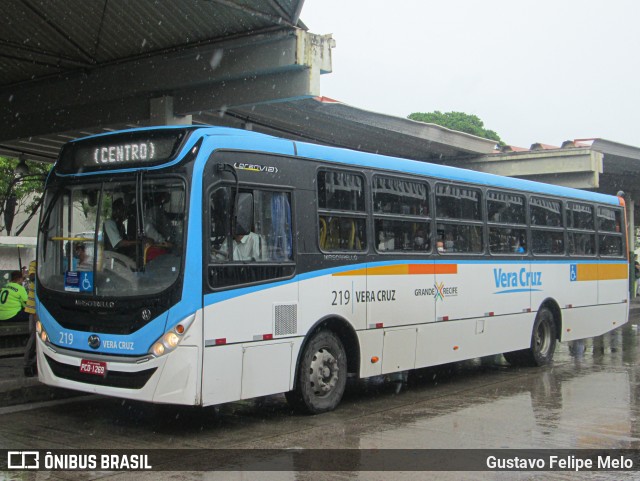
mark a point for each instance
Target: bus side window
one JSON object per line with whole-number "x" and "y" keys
{"x": 401, "y": 215}
{"x": 260, "y": 248}
{"x": 610, "y": 239}
{"x": 342, "y": 214}
{"x": 338, "y": 233}
{"x": 220, "y": 227}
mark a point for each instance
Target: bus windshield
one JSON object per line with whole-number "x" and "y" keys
{"x": 116, "y": 238}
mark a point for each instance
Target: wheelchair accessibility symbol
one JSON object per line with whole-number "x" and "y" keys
{"x": 86, "y": 281}
{"x": 573, "y": 273}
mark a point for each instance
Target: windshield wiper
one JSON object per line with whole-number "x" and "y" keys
{"x": 47, "y": 213}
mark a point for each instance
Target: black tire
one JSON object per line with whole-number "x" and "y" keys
{"x": 543, "y": 342}
{"x": 321, "y": 376}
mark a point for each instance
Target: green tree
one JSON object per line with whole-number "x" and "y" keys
{"x": 20, "y": 194}
{"x": 471, "y": 124}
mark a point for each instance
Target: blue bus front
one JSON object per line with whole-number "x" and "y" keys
{"x": 118, "y": 305}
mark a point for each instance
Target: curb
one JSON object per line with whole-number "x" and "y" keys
{"x": 39, "y": 393}
{"x": 29, "y": 390}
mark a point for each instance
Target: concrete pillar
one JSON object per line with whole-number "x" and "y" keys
{"x": 161, "y": 113}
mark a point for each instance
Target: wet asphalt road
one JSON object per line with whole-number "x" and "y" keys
{"x": 588, "y": 398}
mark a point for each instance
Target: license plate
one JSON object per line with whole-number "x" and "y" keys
{"x": 97, "y": 368}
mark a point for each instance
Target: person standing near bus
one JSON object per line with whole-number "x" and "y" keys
{"x": 30, "y": 360}
{"x": 13, "y": 299}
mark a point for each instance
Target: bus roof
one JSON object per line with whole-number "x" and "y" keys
{"x": 361, "y": 159}
{"x": 264, "y": 143}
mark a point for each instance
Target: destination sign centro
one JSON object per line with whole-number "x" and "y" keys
{"x": 129, "y": 152}
{"x": 117, "y": 151}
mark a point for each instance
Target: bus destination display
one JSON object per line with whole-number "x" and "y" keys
{"x": 128, "y": 150}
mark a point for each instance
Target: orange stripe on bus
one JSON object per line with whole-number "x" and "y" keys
{"x": 357, "y": 272}
{"x": 612, "y": 271}
{"x": 403, "y": 269}
{"x": 395, "y": 270}
{"x": 602, "y": 272}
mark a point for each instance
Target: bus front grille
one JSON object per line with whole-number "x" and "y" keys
{"x": 128, "y": 380}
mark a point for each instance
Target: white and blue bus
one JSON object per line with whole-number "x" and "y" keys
{"x": 203, "y": 265}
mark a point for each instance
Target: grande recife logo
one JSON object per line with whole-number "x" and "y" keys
{"x": 439, "y": 291}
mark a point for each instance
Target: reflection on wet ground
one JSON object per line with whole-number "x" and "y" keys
{"x": 588, "y": 398}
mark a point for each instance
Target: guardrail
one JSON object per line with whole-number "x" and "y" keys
{"x": 13, "y": 338}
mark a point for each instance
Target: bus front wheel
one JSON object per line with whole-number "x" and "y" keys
{"x": 321, "y": 375}
{"x": 543, "y": 342}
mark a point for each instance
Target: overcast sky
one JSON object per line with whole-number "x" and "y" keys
{"x": 533, "y": 71}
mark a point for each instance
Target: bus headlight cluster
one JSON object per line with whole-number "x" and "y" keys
{"x": 42, "y": 334}
{"x": 170, "y": 340}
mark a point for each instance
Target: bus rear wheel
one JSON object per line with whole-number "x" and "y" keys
{"x": 543, "y": 342}
{"x": 321, "y": 375}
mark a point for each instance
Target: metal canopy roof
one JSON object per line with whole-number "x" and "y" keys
{"x": 45, "y": 38}
{"x": 70, "y": 68}
{"x": 326, "y": 121}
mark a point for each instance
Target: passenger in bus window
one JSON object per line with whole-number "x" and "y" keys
{"x": 155, "y": 218}
{"x": 115, "y": 230}
{"x": 420, "y": 241}
{"x": 248, "y": 247}
{"x": 520, "y": 247}
{"x": 85, "y": 263}
{"x": 449, "y": 243}
{"x": 386, "y": 240}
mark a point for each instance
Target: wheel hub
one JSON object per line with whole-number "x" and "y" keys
{"x": 323, "y": 372}
{"x": 542, "y": 337}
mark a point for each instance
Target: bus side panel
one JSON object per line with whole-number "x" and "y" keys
{"x": 266, "y": 369}
{"x": 592, "y": 321}
{"x": 399, "y": 350}
{"x": 335, "y": 293}
{"x": 221, "y": 374}
{"x": 399, "y": 294}
{"x": 582, "y": 286}
{"x": 478, "y": 289}
{"x": 179, "y": 378}
{"x": 452, "y": 341}
{"x": 613, "y": 282}
{"x": 181, "y": 375}
{"x": 371, "y": 344}
{"x": 551, "y": 281}
{"x": 247, "y": 314}
{"x": 239, "y": 319}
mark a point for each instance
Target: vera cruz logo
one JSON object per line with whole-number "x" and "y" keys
{"x": 516, "y": 281}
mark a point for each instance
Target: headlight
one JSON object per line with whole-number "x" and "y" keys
{"x": 170, "y": 340}
{"x": 40, "y": 332}
{"x": 158, "y": 349}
